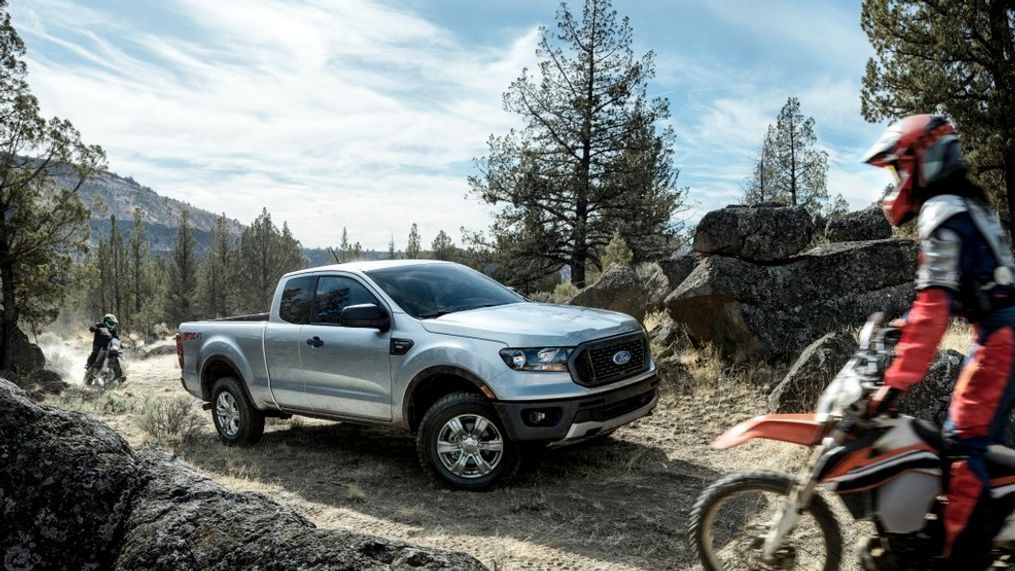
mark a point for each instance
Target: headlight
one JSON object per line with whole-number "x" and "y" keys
{"x": 538, "y": 359}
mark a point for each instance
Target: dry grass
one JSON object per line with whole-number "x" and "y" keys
{"x": 959, "y": 337}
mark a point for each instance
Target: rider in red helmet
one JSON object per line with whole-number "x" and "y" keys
{"x": 965, "y": 268}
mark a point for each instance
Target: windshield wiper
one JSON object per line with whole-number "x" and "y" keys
{"x": 436, "y": 314}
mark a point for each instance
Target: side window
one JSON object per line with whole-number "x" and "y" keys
{"x": 295, "y": 304}
{"x": 335, "y": 293}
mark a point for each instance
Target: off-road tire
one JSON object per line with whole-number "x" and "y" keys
{"x": 250, "y": 420}
{"x": 773, "y": 482}
{"x": 441, "y": 412}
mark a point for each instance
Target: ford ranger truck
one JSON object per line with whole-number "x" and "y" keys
{"x": 472, "y": 368}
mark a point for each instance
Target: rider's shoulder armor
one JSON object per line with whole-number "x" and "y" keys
{"x": 941, "y": 245}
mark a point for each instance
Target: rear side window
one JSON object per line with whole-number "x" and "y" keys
{"x": 335, "y": 293}
{"x": 295, "y": 304}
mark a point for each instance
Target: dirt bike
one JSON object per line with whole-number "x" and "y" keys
{"x": 106, "y": 370}
{"x": 886, "y": 469}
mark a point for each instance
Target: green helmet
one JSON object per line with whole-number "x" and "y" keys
{"x": 110, "y": 321}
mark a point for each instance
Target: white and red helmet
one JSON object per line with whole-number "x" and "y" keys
{"x": 918, "y": 150}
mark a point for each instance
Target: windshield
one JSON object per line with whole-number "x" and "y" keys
{"x": 432, "y": 290}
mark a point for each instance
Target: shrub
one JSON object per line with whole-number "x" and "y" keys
{"x": 169, "y": 420}
{"x": 564, "y": 292}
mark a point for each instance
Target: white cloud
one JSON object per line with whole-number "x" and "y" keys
{"x": 329, "y": 114}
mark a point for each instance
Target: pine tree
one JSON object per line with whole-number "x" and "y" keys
{"x": 443, "y": 248}
{"x": 413, "y": 248}
{"x": 264, "y": 256}
{"x": 589, "y": 160}
{"x": 800, "y": 169}
{"x": 138, "y": 254}
{"x": 180, "y": 298}
{"x": 344, "y": 248}
{"x": 41, "y": 223}
{"x": 391, "y": 248}
{"x": 759, "y": 188}
{"x": 956, "y": 58}
{"x": 217, "y": 272}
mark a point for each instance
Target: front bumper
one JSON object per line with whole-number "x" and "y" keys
{"x": 569, "y": 420}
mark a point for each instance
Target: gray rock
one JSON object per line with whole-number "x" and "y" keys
{"x": 665, "y": 334}
{"x": 773, "y": 311}
{"x": 27, "y": 355}
{"x": 159, "y": 348}
{"x": 929, "y": 399}
{"x": 65, "y": 486}
{"x": 213, "y": 527}
{"x": 867, "y": 224}
{"x": 73, "y": 495}
{"x": 761, "y": 233}
{"x": 672, "y": 272}
{"x": 618, "y": 289}
{"x": 813, "y": 370}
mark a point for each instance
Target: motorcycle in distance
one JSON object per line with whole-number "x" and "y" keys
{"x": 106, "y": 370}
{"x": 887, "y": 470}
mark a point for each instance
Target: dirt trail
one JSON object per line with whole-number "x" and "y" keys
{"x": 619, "y": 504}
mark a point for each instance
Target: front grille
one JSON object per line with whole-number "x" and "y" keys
{"x": 593, "y": 364}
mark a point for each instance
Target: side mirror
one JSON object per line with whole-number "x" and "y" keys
{"x": 366, "y": 315}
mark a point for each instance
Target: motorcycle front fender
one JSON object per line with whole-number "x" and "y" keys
{"x": 794, "y": 428}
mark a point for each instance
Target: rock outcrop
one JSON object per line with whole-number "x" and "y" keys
{"x": 671, "y": 273}
{"x": 74, "y": 495}
{"x": 27, "y": 355}
{"x": 816, "y": 367}
{"x": 867, "y": 224}
{"x": 774, "y": 310}
{"x": 757, "y": 233}
{"x": 929, "y": 399}
{"x": 618, "y": 289}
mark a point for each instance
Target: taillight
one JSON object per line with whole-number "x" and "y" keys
{"x": 179, "y": 349}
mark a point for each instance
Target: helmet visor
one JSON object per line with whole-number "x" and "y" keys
{"x": 895, "y": 173}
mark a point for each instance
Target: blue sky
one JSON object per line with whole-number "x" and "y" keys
{"x": 367, "y": 113}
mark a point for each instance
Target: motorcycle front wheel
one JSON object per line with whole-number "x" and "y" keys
{"x": 731, "y": 518}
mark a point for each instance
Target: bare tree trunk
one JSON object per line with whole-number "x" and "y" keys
{"x": 9, "y": 316}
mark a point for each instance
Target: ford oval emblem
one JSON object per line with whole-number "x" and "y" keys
{"x": 621, "y": 357}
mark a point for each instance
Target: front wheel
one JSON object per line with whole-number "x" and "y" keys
{"x": 463, "y": 444}
{"x": 731, "y": 518}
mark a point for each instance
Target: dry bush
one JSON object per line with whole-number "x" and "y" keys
{"x": 169, "y": 421}
{"x": 565, "y": 292}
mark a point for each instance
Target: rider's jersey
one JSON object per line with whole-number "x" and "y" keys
{"x": 965, "y": 268}
{"x": 103, "y": 335}
{"x": 964, "y": 249}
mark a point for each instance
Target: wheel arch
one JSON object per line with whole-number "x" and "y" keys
{"x": 432, "y": 383}
{"x": 217, "y": 367}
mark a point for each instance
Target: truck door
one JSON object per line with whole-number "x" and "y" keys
{"x": 283, "y": 340}
{"x": 346, "y": 370}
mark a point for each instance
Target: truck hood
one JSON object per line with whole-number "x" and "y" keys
{"x": 534, "y": 324}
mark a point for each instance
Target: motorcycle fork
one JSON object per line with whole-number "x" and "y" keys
{"x": 798, "y": 499}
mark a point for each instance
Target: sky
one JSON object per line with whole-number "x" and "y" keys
{"x": 367, "y": 114}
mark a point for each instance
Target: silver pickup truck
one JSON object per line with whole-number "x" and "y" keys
{"x": 435, "y": 348}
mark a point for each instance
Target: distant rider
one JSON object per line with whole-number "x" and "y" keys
{"x": 104, "y": 332}
{"x": 965, "y": 268}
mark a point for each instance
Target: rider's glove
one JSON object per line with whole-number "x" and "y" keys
{"x": 883, "y": 400}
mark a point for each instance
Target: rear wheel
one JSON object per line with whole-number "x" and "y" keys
{"x": 462, "y": 443}
{"x": 236, "y": 420}
{"x": 731, "y": 518}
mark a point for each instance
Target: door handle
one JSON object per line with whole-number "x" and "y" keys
{"x": 315, "y": 341}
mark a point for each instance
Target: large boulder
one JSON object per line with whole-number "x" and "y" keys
{"x": 671, "y": 273}
{"x": 761, "y": 233}
{"x": 773, "y": 311}
{"x": 28, "y": 356}
{"x": 74, "y": 495}
{"x": 867, "y": 224}
{"x": 929, "y": 399}
{"x": 816, "y": 367}
{"x": 66, "y": 482}
{"x": 158, "y": 349}
{"x": 618, "y": 289}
